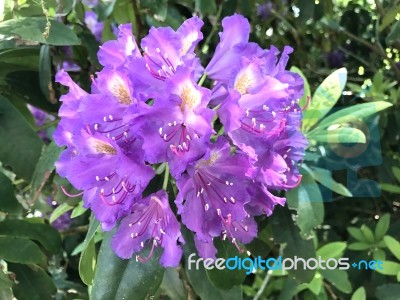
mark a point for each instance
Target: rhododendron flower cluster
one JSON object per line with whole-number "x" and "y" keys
{"x": 229, "y": 148}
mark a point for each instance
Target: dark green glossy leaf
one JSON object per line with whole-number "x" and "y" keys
{"x": 206, "y": 7}
{"x": 25, "y": 84}
{"x": 124, "y": 12}
{"x": 339, "y": 279}
{"x": 9, "y": 202}
{"x": 19, "y": 136}
{"x": 389, "y": 291}
{"x": 33, "y": 283}
{"x": 226, "y": 279}
{"x": 125, "y": 279}
{"x": 307, "y": 200}
{"x": 43, "y": 233}
{"x": 285, "y": 232}
{"x": 198, "y": 277}
{"x": 45, "y": 73}
{"x": 172, "y": 285}
{"x": 21, "y": 250}
{"x": 44, "y": 168}
{"x": 32, "y": 29}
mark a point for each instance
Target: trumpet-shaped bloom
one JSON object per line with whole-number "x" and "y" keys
{"x": 151, "y": 221}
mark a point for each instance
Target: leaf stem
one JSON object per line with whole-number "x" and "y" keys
{"x": 202, "y": 79}
{"x": 166, "y": 177}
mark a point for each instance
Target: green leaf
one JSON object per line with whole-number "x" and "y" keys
{"x": 44, "y": 168}
{"x": 226, "y": 279}
{"x": 78, "y": 210}
{"x": 43, "y": 233}
{"x": 338, "y": 135}
{"x": 45, "y": 72}
{"x": 9, "y": 202}
{"x": 359, "y": 246}
{"x": 20, "y": 250}
{"x": 87, "y": 260}
{"x": 316, "y": 284}
{"x": 19, "y": 136}
{"x": 285, "y": 232}
{"x": 87, "y": 263}
{"x": 307, "y": 92}
{"x": 368, "y": 234}
{"x": 394, "y": 33}
{"x": 382, "y": 227}
{"x": 33, "y": 283}
{"x": 396, "y": 173}
{"x": 324, "y": 98}
{"x": 389, "y": 268}
{"x": 393, "y": 245}
{"x": 125, "y": 279}
{"x": 359, "y": 294}
{"x": 389, "y": 291}
{"x": 335, "y": 249}
{"x": 25, "y": 84}
{"x": 391, "y": 188}
{"x": 199, "y": 279}
{"x": 379, "y": 254}
{"x": 172, "y": 285}
{"x": 357, "y": 234}
{"x": 157, "y": 8}
{"x": 206, "y": 7}
{"x": 5, "y": 286}
{"x": 339, "y": 279}
{"x": 307, "y": 200}
{"x": 325, "y": 178}
{"x": 32, "y": 28}
{"x": 59, "y": 211}
{"x": 27, "y": 57}
{"x": 349, "y": 114}
{"x": 389, "y": 17}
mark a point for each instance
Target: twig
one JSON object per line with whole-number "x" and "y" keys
{"x": 263, "y": 285}
{"x": 74, "y": 230}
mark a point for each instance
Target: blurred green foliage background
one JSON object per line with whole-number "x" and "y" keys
{"x": 346, "y": 206}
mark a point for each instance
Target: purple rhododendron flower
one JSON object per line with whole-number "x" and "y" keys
{"x": 64, "y": 221}
{"x": 91, "y": 3}
{"x": 335, "y": 59}
{"x": 41, "y": 117}
{"x": 153, "y": 221}
{"x": 94, "y": 25}
{"x": 229, "y": 148}
{"x": 264, "y": 10}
